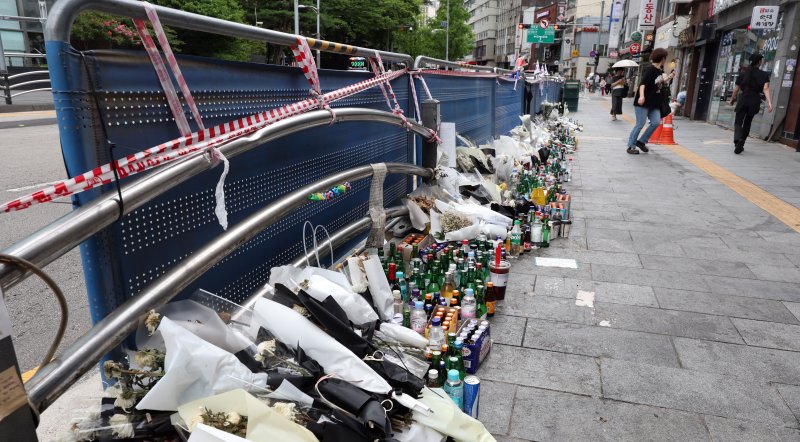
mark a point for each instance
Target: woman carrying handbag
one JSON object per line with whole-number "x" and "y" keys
{"x": 649, "y": 102}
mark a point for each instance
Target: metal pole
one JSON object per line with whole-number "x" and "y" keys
{"x": 6, "y": 86}
{"x": 319, "y": 60}
{"x": 430, "y": 119}
{"x": 296, "y": 17}
{"x": 3, "y": 67}
{"x": 447, "y": 35}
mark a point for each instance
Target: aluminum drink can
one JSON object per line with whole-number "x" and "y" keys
{"x": 472, "y": 393}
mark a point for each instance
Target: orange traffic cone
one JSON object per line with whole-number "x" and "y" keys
{"x": 656, "y": 135}
{"x": 667, "y": 131}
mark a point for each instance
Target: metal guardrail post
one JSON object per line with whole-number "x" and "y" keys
{"x": 431, "y": 118}
{"x": 6, "y": 88}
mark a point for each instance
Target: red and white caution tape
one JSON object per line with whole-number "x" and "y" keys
{"x": 186, "y": 145}
{"x": 174, "y": 103}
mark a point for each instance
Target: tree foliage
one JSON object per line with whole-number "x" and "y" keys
{"x": 461, "y": 41}
{"x": 380, "y": 24}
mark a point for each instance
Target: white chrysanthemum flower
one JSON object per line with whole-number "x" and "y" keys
{"x": 233, "y": 417}
{"x": 121, "y": 426}
{"x": 267, "y": 346}
{"x": 144, "y": 359}
{"x": 285, "y": 409}
{"x": 125, "y": 400}
{"x": 152, "y": 321}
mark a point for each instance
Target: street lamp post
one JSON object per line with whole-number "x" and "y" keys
{"x": 296, "y": 17}
{"x": 315, "y": 9}
{"x": 447, "y": 35}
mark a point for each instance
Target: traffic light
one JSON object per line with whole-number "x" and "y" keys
{"x": 555, "y": 27}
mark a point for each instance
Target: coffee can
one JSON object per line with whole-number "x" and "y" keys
{"x": 472, "y": 393}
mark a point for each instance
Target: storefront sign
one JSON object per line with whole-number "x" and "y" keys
{"x": 613, "y": 54}
{"x": 543, "y": 14}
{"x": 686, "y": 36}
{"x": 647, "y": 14}
{"x": 615, "y": 24}
{"x": 562, "y": 11}
{"x": 588, "y": 29}
{"x": 636, "y": 36}
{"x": 764, "y": 17}
{"x": 635, "y": 48}
{"x": 574, "y": 53}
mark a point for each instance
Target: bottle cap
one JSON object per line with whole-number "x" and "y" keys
{"x": 470, "y": 292}
{"x": 453, "y": 375}
{"x": 436, "y": 322}
{"x": 459, "y": 344}
{"x": 471, "y": 254}
{"x": 464, "y": 241}
{"x": 433, "y": 374}
{"x": 396, "y": 293}
{"x": 399, "y": 275}
{"x": 516, "y": 223}
{"x": 428, "y": 295}
{"x": 418, "y": 304}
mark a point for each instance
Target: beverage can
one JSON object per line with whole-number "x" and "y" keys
{"x": 472, "y": 390}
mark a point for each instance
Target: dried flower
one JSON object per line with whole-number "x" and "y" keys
{"x": 232, "y": 422}
{"x": 152, "y": 321}
{"x": 152, "y": 359}
{"x": 197, "y": 419}
{"x": 285, "y": 409}
{"x": 300, "y": 309}
{"x": 112, "y": 370}
{"x": 234, "y": 418}
{"x": 121, "y": 426}
{"x": 264, "y": 349}
{"x": 125, "y": 400}
{"x": 452, "y": 221}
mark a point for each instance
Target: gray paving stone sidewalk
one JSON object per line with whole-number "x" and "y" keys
{"x": 694, "y": 333}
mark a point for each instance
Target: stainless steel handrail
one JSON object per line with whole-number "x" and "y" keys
{"x": 41, "y": 89}
{"x": 25, "y": 74}
{"x": 56, "y": 377}
{"x": 64, "y": 12}
{"x": 422, "y": 60}
{"x": 54, "y": 240}
{"x": 25, "y": 83}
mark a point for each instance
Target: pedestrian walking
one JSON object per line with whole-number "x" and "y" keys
{"x": 752, "y": 83}
{"x": 619, "y": 90}
{"x": 648, "y": 101}
{"x": 603, "y": 87}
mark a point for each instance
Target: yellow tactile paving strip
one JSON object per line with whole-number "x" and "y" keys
{"x": 785, "y": 212}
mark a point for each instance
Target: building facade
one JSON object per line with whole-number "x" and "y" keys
{"x": 483, "y": 16}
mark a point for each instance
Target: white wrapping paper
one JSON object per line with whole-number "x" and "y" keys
{"x": 379, "y": 288}
{"x": 418, "y": 218}
{"x": 294, "y": 330}
{"x": 448, "y": 419}
{"x": 358, "y": 277}
{"x": 263, "y": 423}
{"x": 195, "y": 369}
{"x": 291, "y": 276}
{"x": 354, "y": 305}
{"x": 201, "y": 321}
{"x": 395, "y": 333}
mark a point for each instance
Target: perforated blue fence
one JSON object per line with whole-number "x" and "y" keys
{"x": 544, "y": 91}
{"x": 114, "y": 97}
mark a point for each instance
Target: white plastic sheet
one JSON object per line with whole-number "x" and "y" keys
{"x": 419, "y": 433}
{"x": 379, "y": 287}
{"x": 294, "y": 330}
{"x": 448, "y": 419}
{"x": 195, "y": 369}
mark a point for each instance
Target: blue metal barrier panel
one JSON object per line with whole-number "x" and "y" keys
{"x": 114, "y": 97}
{"x": 466, "y": 101}
{"x": 509, "y": 99}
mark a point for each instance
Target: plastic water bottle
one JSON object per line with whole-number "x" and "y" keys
{"x": 398, "y": 307}
{"x": 436, "y": 336}
{"x": 516, "y": 239}
{"x": 468, "y": 304}
{"x": 418, "y": 318}
{"x": 454, "y": 388}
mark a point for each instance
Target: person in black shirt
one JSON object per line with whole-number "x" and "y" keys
{"x": 647, "y": 101}
{"x": 618, "y": 91}
{"x": 751, "y": 83}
